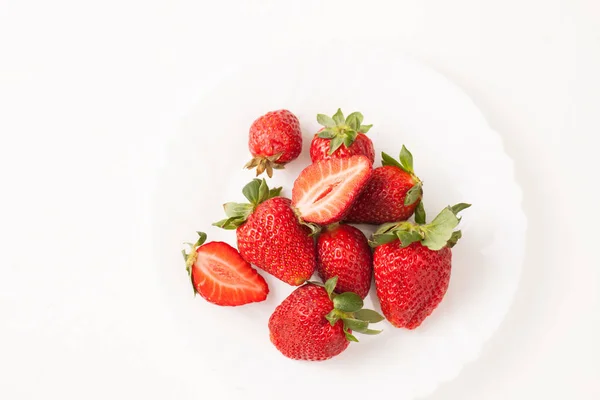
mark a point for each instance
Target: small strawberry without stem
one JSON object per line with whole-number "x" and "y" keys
{"x": 313, "y": 323}
{"x": 392, "y": 193}
{"x": 343, "y": 251}
{"x": 274, "y": 140}
{"x": 341, "y": 137}
{"x": 220, "y": 275}
{"x": 412, "y": 265}
{"x": 324, "y": 191}
{"x": 269, "y": 234}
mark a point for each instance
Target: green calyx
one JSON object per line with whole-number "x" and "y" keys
{"x": 341, "y": 131}
{"x": 405, "y": 163}
{"x": 263, "y": 164}
{"x": 257, "y": 191}
{"x": 348, "y": 307}
{"x": 435, "y": 235}
{"x": 190, "y": 258}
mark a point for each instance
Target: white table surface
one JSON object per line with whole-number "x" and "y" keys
{"x": 89, "y": 92}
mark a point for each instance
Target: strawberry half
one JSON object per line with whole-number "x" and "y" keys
{"x": 325, "y": 190}
{"x": 221, "y": 276}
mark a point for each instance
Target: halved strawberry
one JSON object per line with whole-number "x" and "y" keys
{"x": 220, "y": 274}
{"x": 325, "y": 190}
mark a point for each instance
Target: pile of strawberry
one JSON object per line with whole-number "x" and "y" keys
{"x": 291, "y": 238}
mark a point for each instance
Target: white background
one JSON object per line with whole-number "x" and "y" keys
{"x": 89, "y": 92}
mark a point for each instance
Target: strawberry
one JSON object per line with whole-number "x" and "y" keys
{"x": 220, "y": 275}
{"x": 412, "y": 264}
{"x": 392, "y": 193}
{"x": 275, "y": 139}
{"x": 313, "y": 323}
{"x": 325, "y": 190}
{"x": 269, "y": 234}
{"x": 341, "y": 137}
{"x": 343, "y": 251}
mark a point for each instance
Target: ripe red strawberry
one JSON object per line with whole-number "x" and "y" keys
{"x": 343, "y": 251}
{"x": 220, "y": 275}
{"x": 392, "y": 193}
{"x": 412, "y": 265}
{"x": 341, "y": 137}
{"x": 315, "y": 324}
{"x": 275, "y": 139}
{"x": 269, "y": 234}
{"x": 325, "y": 190}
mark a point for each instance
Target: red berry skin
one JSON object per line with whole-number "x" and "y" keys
{"x": 274, "y": 240}
{"x": 344, "y": 251}
{"x": 411, "y": 282}
{"x": 299, "y": 330}
{"x": 319, "y": 148}
{"x": 382, "y": 199}
{"x": 276, "y": 132}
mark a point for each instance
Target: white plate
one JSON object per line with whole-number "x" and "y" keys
{"x": 458, "y": 157}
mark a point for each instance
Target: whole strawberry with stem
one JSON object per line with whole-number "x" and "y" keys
{"x": 343, "y": 251}
{"x": 392, "y": 193}
{"x": 412, "y": 265}
{"x": 274, "y": 140}
{"x": 341, "y": 137}
{"x": 313, "y": 323}
{"x": 269, "y": 234}
{"x": 220, "y": 275}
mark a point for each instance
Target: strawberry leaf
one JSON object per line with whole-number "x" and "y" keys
{"x": 408, "y": 237}
{"x": 274, "y": 192}
{"x": 201, "y": 239}
{"x": 355, "y": 324}
{"x": 330, "y": 285}
{"x": 386, "y": 160}
{"x": 454, "y": 239}
{"x": 386, "y": 228}
{"x": 439, "y": 231}
{"x": 332, "y": 317}
{"x": 459, "y": 207}
{"x": 369, "y": 316}
{"x": 335, "y": 144}
{"x": 365, "y": 128}
{"x": 420, "y": 216}
{"x": 406, "y": 159}
{"x": 413, "y": 194}
{"x": 350, "y": 337}
{"x": 263, "y": 191}
{"x": 230, "y": 223}
{"x": 348, "y": 140}
{"x": 251, "y": 191}
{"x": 338, "y": 117}
{"x": 378, "y": 240}
{"x": 354, "y": 120}
{"x": 257, "y": 191}
{"x": 237, "y": 210}
{"x": 372, "y": 332}
{"x": 325, "y": 120}
{"x": 326, "y": 134}
{"x": 347, "y": 302}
